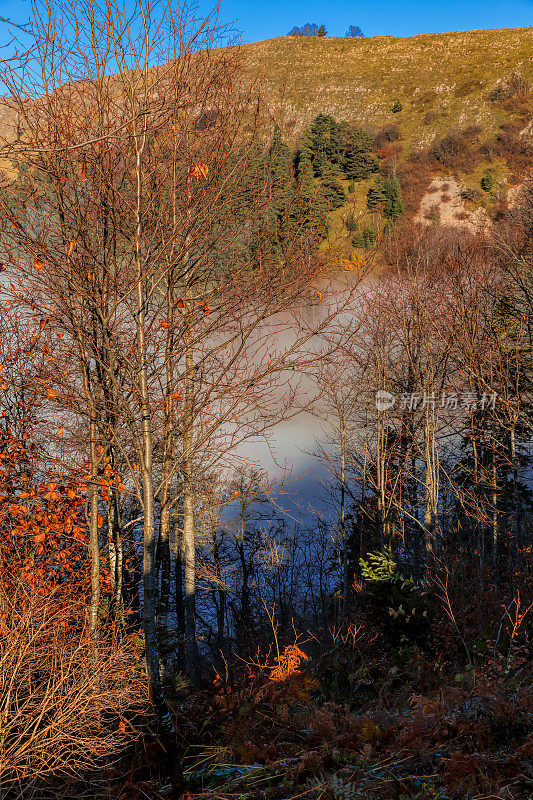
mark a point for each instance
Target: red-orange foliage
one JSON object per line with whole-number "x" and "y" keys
{"x": 288, "y": 663}
{"x": 42, "y": 530}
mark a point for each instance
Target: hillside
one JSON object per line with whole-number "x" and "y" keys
{"x": 463, "y": 106}
{"x": 450, "y": 75}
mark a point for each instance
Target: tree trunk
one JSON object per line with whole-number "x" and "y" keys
{"x": 166, "y": 725}
{"x": 93, "y": 530}
{"x": 192, "y": 658}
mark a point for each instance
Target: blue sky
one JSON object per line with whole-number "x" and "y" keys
{"x": 276, "y": 17}
{"x": 264, "y": 20}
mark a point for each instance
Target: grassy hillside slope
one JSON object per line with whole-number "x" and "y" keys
{"x": 449, "y": 75}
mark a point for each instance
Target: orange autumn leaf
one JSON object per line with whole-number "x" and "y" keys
{"x": 176, "y": 397}
{"x": 61, "y": 431}
{"x": 180, "y": 304}
{"x": 71, "y": 247}
{"x": 165, "y": 324}
{"x": 205, "y": 307}
{"x": 52, "y": 394}
{"x": 71, "y": 494}
{"x": 100, "y": 520}
{"x": 198, "y": 170}
{"x": 319, "y": 294}
{"x": 38, "y": 264}
{"x": 347, "y": 265}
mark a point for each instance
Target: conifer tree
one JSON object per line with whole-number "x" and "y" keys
{"x": 310, "y": 208}
{"x": 331, "y": 188}
{"x": 359, "y": 162}
{"x": 281, "y": 174}
{"x": 393, "y": 199}
{"x": 487, "y": 181}
{"x": 322, "y": 143}
{"x": 375, "y": 195}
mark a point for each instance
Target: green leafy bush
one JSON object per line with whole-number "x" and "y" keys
{"x": 396, "y": 602}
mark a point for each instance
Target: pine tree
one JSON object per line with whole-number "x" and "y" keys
{"x": 331, "y": 188}
{"x": 281, "y": 174}
{"x": 365, "y": 238}
{"x": 487, "y": 181}
{"x": 322, "y": 143}
{"x": 350, "y": 222}
{"x": 309, "y": 207}
{"x": 322, "y": 31}
{"x": 360, "y": 165}
{"x": 393, "y": 199}
{"x": 375, "y": 196}
{"x": 358, "y": 162}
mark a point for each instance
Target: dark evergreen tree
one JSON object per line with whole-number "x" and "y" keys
{"x": 359, "y": 162}
{"x": 350, "y": 222}
{"x": 487, "y": 181}
{"x": 322, "y": 31}
{"x": 375, "y": 196}
{"x": 309, "y": 207}
{"x": 321, "y": 143}
{"x": 360, "y": 165}
{"x": 366, "y": 238}
{"x": 281, "y": 174}
{"x": 331, "y": 188}
{"x": 393, "y": 199}
{"x": 397, "y": 107}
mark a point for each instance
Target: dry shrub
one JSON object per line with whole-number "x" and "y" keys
{"x": 387, "y": 134}
{"x": 513, "y": 147}
{"x": 457, "y": 150}
{"x": 64, "y": 699}
{"x": 512, "y": 93}
{"x": 415, "y": 176}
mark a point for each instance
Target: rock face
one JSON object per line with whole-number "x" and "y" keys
{"x": 527, "y": 133}
{"x": 443, "y": 204}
